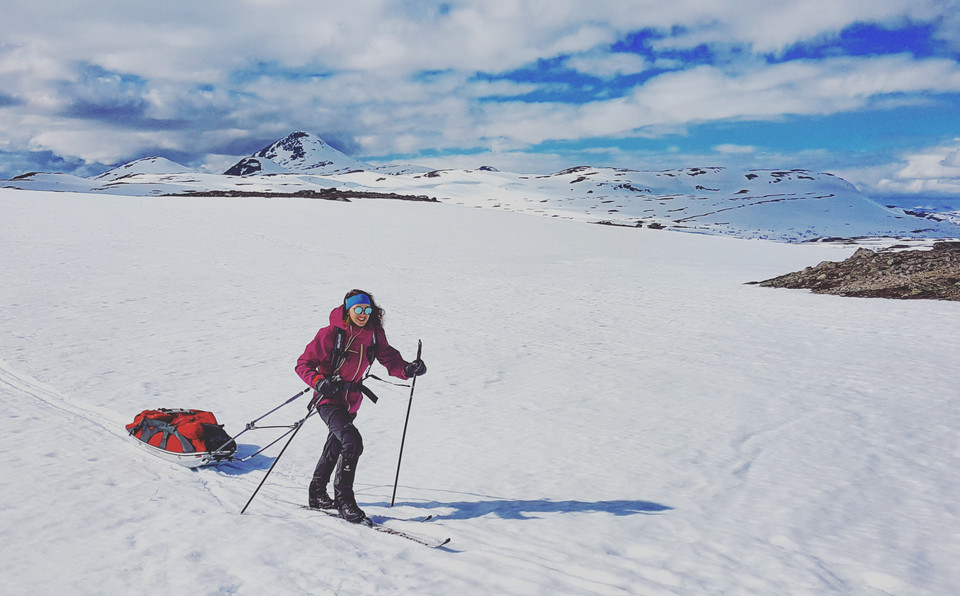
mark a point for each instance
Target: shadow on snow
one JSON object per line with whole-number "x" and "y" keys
{"x": 527, "y": 509}
{"x": 237, "y": 468}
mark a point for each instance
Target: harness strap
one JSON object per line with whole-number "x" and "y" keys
{"x": 359, "y": 386}
{"x": 149, "y": 427}
{"x": 375, "y": 377}
{"x": 339, "y": 358}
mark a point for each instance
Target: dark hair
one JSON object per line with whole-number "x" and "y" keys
{"x": 376, "y": 317}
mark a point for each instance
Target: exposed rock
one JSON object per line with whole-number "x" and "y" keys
{"x": 245, "y": 167}
{"x": 328, "y": 194}
{"x": 932, "y": 274}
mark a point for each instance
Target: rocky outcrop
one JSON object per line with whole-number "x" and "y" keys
{"x": 931, "y": 274}
{"x": 328, "y": 194}
{"x": 245, "y": 167}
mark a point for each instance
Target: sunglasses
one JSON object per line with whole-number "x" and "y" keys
{"x": 362, "y": 311}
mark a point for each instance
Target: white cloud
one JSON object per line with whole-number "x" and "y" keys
{"x": 66, "y": 137}
{"x": 770, "y": 26}
{"x": 934, "y": 163}
{"x": 801, "y": 87}
{"x": 606, "y": 65}
{"x": 952, "y": 159}
{"x": 501, "y": 88}
{"x": 932, "y": 171}
{"x": 709, "y": 93}
{"x": 203, "y": 41}
{"x": 260, "y": 68}
{"x": 734, "y": 149}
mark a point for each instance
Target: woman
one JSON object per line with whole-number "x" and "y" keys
{"x": 335, "y": 364}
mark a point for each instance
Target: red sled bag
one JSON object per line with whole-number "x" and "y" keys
{"x": 185, "y": 436}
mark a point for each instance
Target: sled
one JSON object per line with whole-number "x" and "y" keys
{"x": 193, "y": 438}
{"x": 189, "y": 460}
{"x": 190, "y": 438}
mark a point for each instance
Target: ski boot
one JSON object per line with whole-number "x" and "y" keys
{"x": 350, "y": 511}
{"x": 319, "y": 499}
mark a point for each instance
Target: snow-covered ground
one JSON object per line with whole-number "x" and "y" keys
{"x": 607, "y": 410}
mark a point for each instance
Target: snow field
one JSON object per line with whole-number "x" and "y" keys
{"x": 606, "y": 410}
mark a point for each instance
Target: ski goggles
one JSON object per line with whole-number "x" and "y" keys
{"x": 362, "y": 310}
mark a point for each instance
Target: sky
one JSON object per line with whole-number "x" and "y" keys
{"x": 866, "y": 89}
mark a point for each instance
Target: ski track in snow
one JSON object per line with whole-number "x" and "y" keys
{"x": 48, "y": 397}
{"x": 607, "y": 411}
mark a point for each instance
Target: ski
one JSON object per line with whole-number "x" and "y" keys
{"x": 369, "y": 523}
{"x": 428, "y": 542}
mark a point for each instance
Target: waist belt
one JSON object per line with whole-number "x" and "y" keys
{"x": 349, "y": 386}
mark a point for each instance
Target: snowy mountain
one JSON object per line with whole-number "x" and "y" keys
{"x": 146, "y": 165}
{"x": 784, "y": 205}
{"x": 299, "y": 152}
{"x": 49, "y": 181}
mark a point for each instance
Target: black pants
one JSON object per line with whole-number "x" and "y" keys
{"x": 341, "y": 452}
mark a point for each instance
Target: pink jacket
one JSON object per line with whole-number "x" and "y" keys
{"x": 315, "y": 361}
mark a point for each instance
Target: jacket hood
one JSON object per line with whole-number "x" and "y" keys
{"x": 336, "y": 318}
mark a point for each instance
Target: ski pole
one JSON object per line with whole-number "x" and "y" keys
{"x": 403, "y": 439}
{"x": 297, "y": 428}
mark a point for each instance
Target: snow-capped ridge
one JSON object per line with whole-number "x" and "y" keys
{"x": 49, "y": 181}
{"x": 786, "y": 205}
{"x": 145, "y": 165}
{"x": 398, "y": 169}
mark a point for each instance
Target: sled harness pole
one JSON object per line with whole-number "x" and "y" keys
{"x": 296, "y": 428}
{"x": 413, "y": 385}
{"x": 252, "y": 425}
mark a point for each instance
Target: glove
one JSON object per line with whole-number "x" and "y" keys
{"x": 326, "y": 387}
{"x": 415, "y": 369}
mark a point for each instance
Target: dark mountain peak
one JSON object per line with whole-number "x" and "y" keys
{"x": 293, "y": 146}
